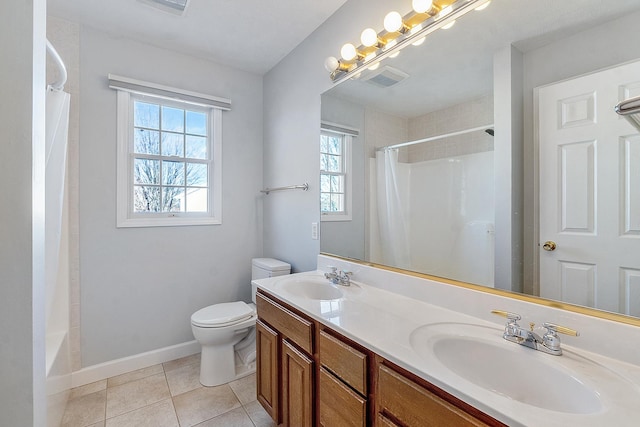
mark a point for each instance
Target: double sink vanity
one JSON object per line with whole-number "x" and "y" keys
{"x": 384, "y": 348}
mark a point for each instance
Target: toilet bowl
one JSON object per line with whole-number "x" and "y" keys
{"x": 226, "y": 331}
{"x": 219, "y": 328}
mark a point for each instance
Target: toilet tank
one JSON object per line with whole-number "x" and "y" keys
{"x": 263, "y": 268}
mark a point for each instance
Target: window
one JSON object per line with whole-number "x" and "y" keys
{"x": 335, "y": 182}
{"x": 169, "y": 167}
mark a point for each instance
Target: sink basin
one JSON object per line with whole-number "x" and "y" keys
{"x": 310, "y": 287}
{"x": 478, "y": 355}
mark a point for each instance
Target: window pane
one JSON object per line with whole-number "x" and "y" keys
{"x": 197, "y": 174}
{"x": 146, "y": 199}
{"x": 337, "y": 182}
{"x": 146, "y": 141}
{"x": 334, "y": 164}
{"x": 196, "y": 123}
{"x": 325, "y": 202}
{"x": 146, "y": 171}
{"x": 324, "y": 144}
{"x": 197, "y": 199}
{"x": 196, "y": 147}
{"x": 172, "y": 173}
{"x": 325, "y": 186}
{"x": 335, "y": 145}
{"x": 172, "y": 144}
{"x": 324, "y": 162}
{"x": 173, "y": 199}
{"x": 146, "y": 115}
{"x": 337, "y": 202}
{"x": 172, "y": 119}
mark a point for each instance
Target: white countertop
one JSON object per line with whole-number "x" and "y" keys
{"x": 384, "y": 322}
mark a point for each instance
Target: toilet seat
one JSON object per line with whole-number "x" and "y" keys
{"x": 223, "y": 314}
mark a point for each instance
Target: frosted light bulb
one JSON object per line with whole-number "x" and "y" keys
{"x": 331, "y": 64}
{"x": 422, "y": 6}
{"x": 348, "y": 52}
{"x": 394, "y": 54}
{"x": 419, "y": 41}
{"x": 369, "y": 37}
{"x": 393, "y": 22}
{"x": 483, "y": 6}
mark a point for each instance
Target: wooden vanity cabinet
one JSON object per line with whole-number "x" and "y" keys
{"x": 310, "y": 375}
{"x": 285, "y": 380}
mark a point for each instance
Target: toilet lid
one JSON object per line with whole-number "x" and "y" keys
{"x": 223, "y": 314}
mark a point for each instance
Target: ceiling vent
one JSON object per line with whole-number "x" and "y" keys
{"x": 173, "y": 6}
{"x": 386, "y": 77}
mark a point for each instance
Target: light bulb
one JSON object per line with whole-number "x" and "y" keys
{"x": 449, "y": 25}
{"x": 419, "y": 41}
{"x": 331, "y": 64}
{"x": 422, "y": 6}
{"x": 348, "y": 52}
{"x": 483, "y": 6}
{"x": 391, "y": 44}
{"x": 394, "y": 54}
{"x": 374, "y": 66}
{"x": 393, "y": 22}
{"x": 369, "y": 57}
{"x": 444, "y": 12}
{"x": 369, "y": 37}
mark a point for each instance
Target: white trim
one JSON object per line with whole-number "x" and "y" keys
{"x": 338, "y": 128}
{"x": 112, "y": 368}
{"x": 167, "y": 92}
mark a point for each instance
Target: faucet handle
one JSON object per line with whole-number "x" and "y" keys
{"x": 552, "y": 329}
{"x": 512, "y": 317}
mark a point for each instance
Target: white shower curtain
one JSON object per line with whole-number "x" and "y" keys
{"x": 394, "y": 237}
{"x": 57, "y": 128}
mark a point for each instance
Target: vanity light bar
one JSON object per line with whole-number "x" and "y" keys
{"x": 399, "y": 32}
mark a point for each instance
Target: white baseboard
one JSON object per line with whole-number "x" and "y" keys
{"x": 112, "y": 368}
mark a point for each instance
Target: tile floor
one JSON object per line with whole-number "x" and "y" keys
{"x": 165, "y": 395}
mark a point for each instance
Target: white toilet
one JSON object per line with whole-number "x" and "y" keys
{"x": 226, "y": 331}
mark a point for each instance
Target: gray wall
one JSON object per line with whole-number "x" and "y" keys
{"x": 139, "y": 286}
{"x": 292, "y": 115}
{"x": 22, "y": 342}
{"x": 347, "y": 238}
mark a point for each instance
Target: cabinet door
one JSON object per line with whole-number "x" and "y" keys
{"x": 297, "y": 387}
{"x": 339, "y": 405}
{"x": 267, "y": 369}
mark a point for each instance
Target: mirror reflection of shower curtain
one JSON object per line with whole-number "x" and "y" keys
{"x": 393, "y": 227}
{"x": 56, "y": 130}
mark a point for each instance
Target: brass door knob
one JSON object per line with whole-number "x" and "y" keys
{"x": 549, "y": 246}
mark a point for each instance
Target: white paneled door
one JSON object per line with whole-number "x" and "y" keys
{"x": 590, "y": 192}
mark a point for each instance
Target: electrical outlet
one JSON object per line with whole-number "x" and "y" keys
{"x": 314, "y": 230}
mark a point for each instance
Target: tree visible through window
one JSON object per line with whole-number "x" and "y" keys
{"x": 332, "y": 173}
{"x": 170, "y": 159}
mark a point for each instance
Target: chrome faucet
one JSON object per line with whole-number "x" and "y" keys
{"x": 341, "y": 277}
{"x": 548, "y": 343}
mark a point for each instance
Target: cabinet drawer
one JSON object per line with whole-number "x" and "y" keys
{"x": 289, "y": 324}
{"x": 339, "y": 405}
{"x": 349, "y": 364}
{"x": 412, "y": 405}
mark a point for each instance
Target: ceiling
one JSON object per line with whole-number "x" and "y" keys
{"x": 252, "y": 35}
{"x": 456, "y": 65}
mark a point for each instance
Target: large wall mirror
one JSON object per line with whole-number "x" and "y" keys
{"x": 491, "y": 154}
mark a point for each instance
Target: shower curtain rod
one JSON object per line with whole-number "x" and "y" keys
{"x": 62, "y": 70}
{"x": 436, "y": 137}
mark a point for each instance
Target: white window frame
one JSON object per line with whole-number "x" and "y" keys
{"x": 331, "y": 128}
{"x": 126, "y": 217}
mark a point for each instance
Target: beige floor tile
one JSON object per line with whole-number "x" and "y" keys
{"x": 258, "y": 415}
{"x": 87, "y": 389}
{"x": 100, "y": 424}
{"x": 134, "y": 375}
{"x": 184, "y": 379}
{"x": 234, "y": 418}
{"x": 136, "y": 394}
{"x": 159, "y": 414}
{"x": 204, "y": 403}
{"x": 245, "y": 388}
{"x": 85, "y": 410}
{"x": 183, "y": 361}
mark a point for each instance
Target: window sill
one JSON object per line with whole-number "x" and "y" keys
{"x": 335, "y": 218}
{"x": 166, "y": 222}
